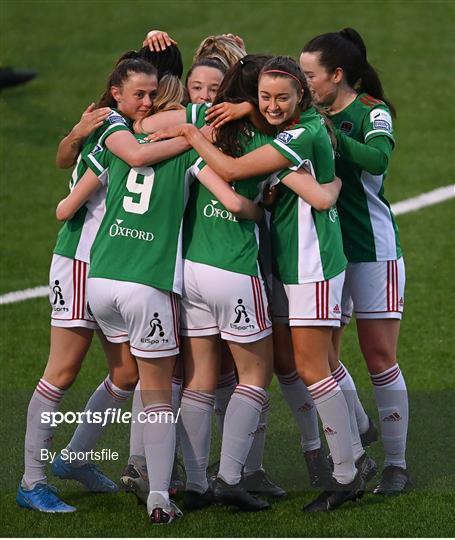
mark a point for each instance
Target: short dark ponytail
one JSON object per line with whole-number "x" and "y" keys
{"x": 346, "y": 49}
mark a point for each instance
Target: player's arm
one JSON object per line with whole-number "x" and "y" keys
{"x": 160, "y": 120}
{"x": 240, "y": 206}
{"x": 125, "y": 146}
{"x": 83, "y": 190}
{"x": 70, "y": 146}
{"x": 263, "y": 160}
{"x": 372, "y": 156}
{"x": 319, "y": 196}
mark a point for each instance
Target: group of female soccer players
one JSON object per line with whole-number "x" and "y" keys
{"x": 212, "y": 246}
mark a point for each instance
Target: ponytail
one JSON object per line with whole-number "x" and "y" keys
{"x": 346, "y": 50}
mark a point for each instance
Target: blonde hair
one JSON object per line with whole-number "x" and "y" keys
{"x": 223, "y": 48}
{"x": 169, "y": 97}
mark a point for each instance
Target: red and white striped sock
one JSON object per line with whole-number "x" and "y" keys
{"x": 38, "y": 437}
{"x": 240, "y": 425}
{"x": 159, "y": 445}
{"x": 106, "y": 396}
{"x": 333, "y": 411}
{"x": 195, "y": 435}
{"x": 253, "y": 462}
{"x": 392, "y": 401}
{"x": 345, "y": 382}
{"x": 223, "y": 393}
{"x": 300, "y": 402}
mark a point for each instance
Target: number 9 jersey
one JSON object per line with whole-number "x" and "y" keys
{"x": 140, "y": 237}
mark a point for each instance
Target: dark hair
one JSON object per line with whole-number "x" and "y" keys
{"x": 125, "y": 66}
{"x": 287, "y": 67}
{"x": 206, "y": 62}
{"x": 167, "y": 62}
{"x": 346, "y": 50}
{"x": 239, "y": 84}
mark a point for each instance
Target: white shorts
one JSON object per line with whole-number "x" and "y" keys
{"x": 280, "y": 303}
{"x": 68, "y": 294}
{"x": 217, "y": 301}
{"x": 146, "y": 317}
{"x": 310, "y": 304}
{"x": 374, "y": 290}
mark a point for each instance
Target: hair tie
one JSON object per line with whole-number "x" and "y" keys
{"x": 285, "y": 73}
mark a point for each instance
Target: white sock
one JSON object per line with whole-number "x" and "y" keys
{"x": 392, "y": 401}
{"x": 159, "y": 445}
{"x": 106, "y": 396}
{"x": 223, "y": 393}
{"x": 333, "y": 411}
{"x": 38, "y": 437}
{"x": 303, "y": 410}
{"x": 240, "y": 424}
{"x": 253, "y": 462}
{"x": 176, "y": 397}
{"x": 345, "y": 382}
{"x": 137, "y": 428}
{"x": 196, "y": 429}
{"x": 361, "y": 416}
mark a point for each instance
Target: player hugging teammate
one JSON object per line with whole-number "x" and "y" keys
{"x": 167, "y": 251}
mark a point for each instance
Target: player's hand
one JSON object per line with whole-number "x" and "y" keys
{"x": 170, "y": 133}
{"x": 158, "y": 41}
{"x": 91, "y": 119}
{"x": 238, "y": 40}
{"x": 208, "y": 132}
{"x": 222, "y": 113}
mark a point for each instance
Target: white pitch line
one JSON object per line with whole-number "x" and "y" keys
{"x": 423, "y": 200}
{"x": 403, "y": 207}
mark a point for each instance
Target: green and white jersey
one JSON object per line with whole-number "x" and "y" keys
{"x": 369, "y": 229}
{"x": 195, "y": 113}
{"x": 140, "y": 237}
{"x": 212, "y": 235}
{"x": 76, "y": 236}
{"x": 306, "y": 244}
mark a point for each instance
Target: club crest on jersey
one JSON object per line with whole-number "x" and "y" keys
{"x": 381, "y": 120}
{"x": 346, "y": 127}
{"x": 287, "y": 136}
{"x": 333, "y": 214}
{"x": 241, "y": 316}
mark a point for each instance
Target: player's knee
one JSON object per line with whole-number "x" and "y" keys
{"x": 62, "y": 378}
{"x": 379, "y": 359}
{"x": 125, "y": 378}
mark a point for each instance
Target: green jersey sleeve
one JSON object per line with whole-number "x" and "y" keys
{"x": 294, "y": 145}
{"x": 373, "y": 157}
{"x": 378, "y": 122}
{"x": 195, "y": 113}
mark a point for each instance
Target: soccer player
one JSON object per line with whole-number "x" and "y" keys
{"x": 203, "y": 80}
{"x": 135, "y": 279}
{"x": 308, "y": 253}
{"x": 342, "y": 80}
{"x": 131, "y": 87}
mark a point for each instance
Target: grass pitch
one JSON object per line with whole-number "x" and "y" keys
{"x": 73, "y": 45}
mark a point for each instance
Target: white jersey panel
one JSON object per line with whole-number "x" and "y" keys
{"x": 380, "y": 218}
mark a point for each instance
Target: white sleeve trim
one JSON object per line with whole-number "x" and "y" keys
{"x": 97, "y": 164}
{"x": 378, "y": 131}
{"x": 291, "y": 152}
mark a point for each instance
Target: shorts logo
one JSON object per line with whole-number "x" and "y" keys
{"x": 210, "y": 210}
{"x": 58, "y": 301}
{"x": 337, "y": 309}
{"x": 156, "y": 326}
{"x": 117, "y": 230}
{"x": 333, "y": 214}
{"x": 241, "y": 312}
{"x": 156, "y": 334}
{"x": 401, "y": 302}
{"x": 346, "y": 127}
{"x": 58, "y": 295}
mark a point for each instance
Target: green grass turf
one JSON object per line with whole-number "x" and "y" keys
{"x": 73, "y": 46}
